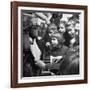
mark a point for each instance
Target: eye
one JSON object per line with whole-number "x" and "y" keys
{"x": 76, "y": 30}
{"x": 54, "y": 39}
{"x": 62, "y": 27}
{"x": 69, "y": 30}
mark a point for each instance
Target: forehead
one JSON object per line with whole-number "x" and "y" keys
{"x": 70, "y": 27}
{"x": 61, "y": 25}
{"x": 52, "y": 26}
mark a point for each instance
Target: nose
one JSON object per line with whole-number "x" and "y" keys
{"x": 73, "y": 31}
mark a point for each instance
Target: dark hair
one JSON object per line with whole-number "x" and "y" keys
{"x": 56, "y": 18}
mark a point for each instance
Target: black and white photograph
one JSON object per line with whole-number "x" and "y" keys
{"x": 50, "y": 44}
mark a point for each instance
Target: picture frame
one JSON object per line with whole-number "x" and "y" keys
{"x": 19, "y": 13}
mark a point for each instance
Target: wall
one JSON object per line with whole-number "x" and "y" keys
{"x": 5, "y": 46}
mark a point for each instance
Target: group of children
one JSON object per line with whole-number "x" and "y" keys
{"x": 53, "y": 46}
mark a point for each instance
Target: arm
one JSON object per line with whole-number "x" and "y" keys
{"x": 37, "y": 53}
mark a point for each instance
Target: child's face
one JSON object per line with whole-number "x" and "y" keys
{"x": 62, "y": 28}
{"x": 52, "y": 30}
{"x": 71, "y": 31}
{"x": 54, "y": 42}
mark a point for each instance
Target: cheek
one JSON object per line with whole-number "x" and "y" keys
{"x": 54, "y": 42}
{"x": 77, "y": 33}
{"x": 63, "y": 30}
{"x": 69, "y": 32}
